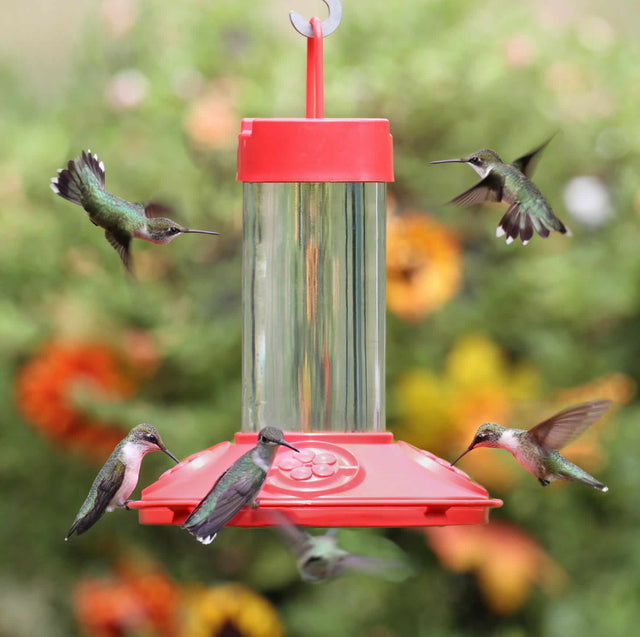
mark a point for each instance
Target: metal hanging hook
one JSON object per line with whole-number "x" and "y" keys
{"x": 303, "y": 27}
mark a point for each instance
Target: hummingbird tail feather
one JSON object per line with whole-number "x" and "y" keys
{"x": 596, "y": 484}
{"x": 72, "y": 530}
{"x": 518, "y": 221}
{"x": 580, "y": 475}
{"x": 86, "y": 170}
{"x": 203, "y": 532}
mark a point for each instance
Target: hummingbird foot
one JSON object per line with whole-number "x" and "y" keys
{"x": 126, "y": 504}
{"x": 543, "y": 482}
{"x": 254, "y": 503}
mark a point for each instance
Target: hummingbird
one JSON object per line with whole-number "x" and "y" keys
{"x": 237, "y": 486}
{"x": 118, "y": 477}
{"x": 509, "y": 183}
{"x": 319, "y": 556}
{"x": 82, "y": 183}
{"x": 537, "y": 449}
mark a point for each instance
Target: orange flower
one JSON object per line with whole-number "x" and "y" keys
{"x": 212, "y": 121}
{"x": 442, "y": 412}
{"x": 137, "y": 600}
{"x": 505, "y": 560}
{"x": 49, "y": 386}
{"x": 587, "y": 451}
{"x": 424, "y": 265}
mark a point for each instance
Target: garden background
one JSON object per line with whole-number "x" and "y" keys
{"x": 477, "y": 330}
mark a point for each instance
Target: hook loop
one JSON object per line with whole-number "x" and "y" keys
{"x": 303, "y": 27}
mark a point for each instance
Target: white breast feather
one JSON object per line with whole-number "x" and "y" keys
{"x": 132, "y": 459}
{"x": 511, "y": 442}
{"x": 265, "y": 465}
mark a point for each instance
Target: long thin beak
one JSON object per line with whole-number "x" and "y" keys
{"x": 171, "y": 455}
{"x": 190, "y": 231}
{"x": 462, "y": 454}
{"x": 286, "y": 444}
{"x": 448, "y": 161}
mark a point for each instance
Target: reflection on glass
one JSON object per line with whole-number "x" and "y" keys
{"x": 314, "y": 306}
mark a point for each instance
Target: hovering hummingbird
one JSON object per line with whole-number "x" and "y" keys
{"x": 509, "y": 183}
{"x": 237, "y": 486}
{"x": 537, "y": 449}
{"x": 118, "y": 477}
{"x": 319, "y": 556}
{"x": 82, "y": 183}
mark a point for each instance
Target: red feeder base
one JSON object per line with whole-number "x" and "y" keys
{"x": 337, "y": 479}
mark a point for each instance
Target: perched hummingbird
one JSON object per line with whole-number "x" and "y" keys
{"x": 509, "y": 183}
{"x": 118, "y": 477}
{"x": 319, "y": 556}
{"x": 537, "y": 449}
{"x": 82, "y": 183}
{"x": 237, "y": 486}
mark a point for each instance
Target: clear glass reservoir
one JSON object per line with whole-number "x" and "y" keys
{"x": 314, "y": 306}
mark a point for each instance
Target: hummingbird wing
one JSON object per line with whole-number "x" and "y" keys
{"x": 488, "y": 189}
{"x": 567, "y": 425}
{"x": 525, "y": 164}
{"x": 154, "y": 209}
{"x": 368, "y": 564}
{"x": 121, "y": 242}
{"x": 298, "y": 540}
{"x": 228, "y": 495}
{"x": 104, "y": 487}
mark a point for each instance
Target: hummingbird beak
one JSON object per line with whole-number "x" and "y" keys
{"x": 191, "y": 231}
{"x": 448, "y": 161}
{"x": 171, "y": 455}
{"x": 464, "y": 453}
{"x": 286, "y": 444}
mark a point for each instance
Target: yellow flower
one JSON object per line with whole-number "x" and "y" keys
{"x": 424, "y": 265}
{"x": 441, "y": 413}
{"x": 209, "y": 612}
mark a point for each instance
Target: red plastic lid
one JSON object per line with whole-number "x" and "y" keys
{"x": 337, "y": 479}
{"x": 315, "y": 150}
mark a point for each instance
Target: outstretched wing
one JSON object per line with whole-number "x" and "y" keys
{"x": 121, "y": 242}
{"x": 488, "y": 189}
{"x": 567, "y": 425}
{"x": 525, "y": 164}
{"x": 104, "y": 487}
{"x": 297, "y": 539}
{"x": 154, "y": 209}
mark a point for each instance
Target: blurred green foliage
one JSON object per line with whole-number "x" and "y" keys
{"x": 451, "y": 77}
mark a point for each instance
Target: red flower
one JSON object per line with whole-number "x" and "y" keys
{"x": 138, "y": 600}
{"x": 51, "y": 387}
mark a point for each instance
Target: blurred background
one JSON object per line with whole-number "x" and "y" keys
{"x": 477, "y": 330}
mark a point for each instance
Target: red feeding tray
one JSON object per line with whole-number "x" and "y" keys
{"x": 350, "y": 479}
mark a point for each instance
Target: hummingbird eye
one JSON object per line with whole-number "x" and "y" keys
{"x": 151, "y": 438}
{"x": 174, "y": 230}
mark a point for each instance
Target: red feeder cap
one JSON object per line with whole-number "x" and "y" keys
{"x": 337, "y": 479}
{"x": 315, "y": 150}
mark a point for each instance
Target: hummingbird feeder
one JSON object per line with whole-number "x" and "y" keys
{"x": 314, "y": 279}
